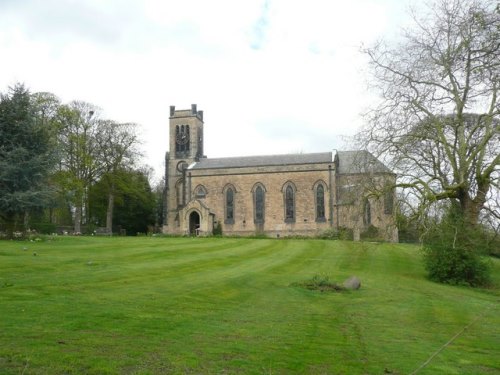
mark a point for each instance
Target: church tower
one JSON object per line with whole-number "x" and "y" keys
{"x": 186, "y": 134}
{"x": 185, "y": 147}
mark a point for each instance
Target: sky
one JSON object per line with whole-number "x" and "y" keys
{"x": 272, "y": 76}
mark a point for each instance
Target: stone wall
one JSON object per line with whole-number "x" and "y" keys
{"x": 273, "y": 178}
{"x": 354, "y": 192}
{"x": 345, "y": 197}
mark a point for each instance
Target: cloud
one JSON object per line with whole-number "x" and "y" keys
{"x": 65, "y": 21}
{"x": 272, "y": 76}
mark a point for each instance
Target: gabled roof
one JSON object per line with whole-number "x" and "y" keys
{"x": 347, "y": 162}
{"x": 353, "y": 162}
{"x": 263, "y": 160}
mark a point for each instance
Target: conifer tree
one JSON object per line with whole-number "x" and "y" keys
{"x": 26, "y": 158}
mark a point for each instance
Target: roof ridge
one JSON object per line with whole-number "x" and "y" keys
{"x": 263, "y": 160}
{"x": 270, "y": 155}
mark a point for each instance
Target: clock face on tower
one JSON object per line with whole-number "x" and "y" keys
{"x": 182, "y": 138}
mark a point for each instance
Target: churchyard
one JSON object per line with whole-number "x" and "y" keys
{"x": 146, "y": 305}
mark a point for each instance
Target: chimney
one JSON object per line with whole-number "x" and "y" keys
{"x": 172, "y": 110}
{"x": 193, "y": 109}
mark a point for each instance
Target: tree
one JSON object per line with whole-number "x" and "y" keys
{"x": 134, "y": 201}
{"x": 117, "y": 142}
{"x": 438, "y": 121}
{"x": 159, "y": 192}
{"x": 46, "y": 106}
{"x": 26, "y": 157}
{"x": 80, "y": 155}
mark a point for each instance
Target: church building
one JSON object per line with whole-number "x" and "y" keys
{"x": 273, "y": 195}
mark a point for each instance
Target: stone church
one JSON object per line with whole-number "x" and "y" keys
{"x": 273, "y": 195}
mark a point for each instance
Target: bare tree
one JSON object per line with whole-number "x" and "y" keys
{"x": 437, "y": 123}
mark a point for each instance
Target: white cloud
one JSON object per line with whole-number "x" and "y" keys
{"x": 272, "y": 76}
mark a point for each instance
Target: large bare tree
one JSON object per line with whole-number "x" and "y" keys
{"x": 438, "y": 118}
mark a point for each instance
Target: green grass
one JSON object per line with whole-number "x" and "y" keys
{"x": 232, "y": 306}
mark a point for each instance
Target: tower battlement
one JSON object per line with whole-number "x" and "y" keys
{"x": 181, "y": 113}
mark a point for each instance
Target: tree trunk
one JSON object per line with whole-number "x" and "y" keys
{"x": 10, "y": 224}
{"x": 470, "y": 211}
{"x": 26, "y": 222}
{"x": 78, "y": 219}
{"x": 109, "y": 212}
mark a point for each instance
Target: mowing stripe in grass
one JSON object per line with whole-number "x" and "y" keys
{"x": 180, "y": 305}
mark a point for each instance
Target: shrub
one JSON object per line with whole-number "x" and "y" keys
{"x": 453, "y": 253}
{"x": 450, "y": 265}
{"x": 218, "y": 229}
{"x": 371, "y": 234}
{"x": 329, "y": 234}
{"x": 43, "y": 227}
{"x": 346, "y": 234}
{"x": 321, "y": 283}
{"x": 341, "y": 233}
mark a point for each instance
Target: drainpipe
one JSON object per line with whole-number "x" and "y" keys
{"x": 184, "y": 182}
{"x": 166, "y": 192}
{"x": 330, "y": 196}
{"x": 189, "y": 187}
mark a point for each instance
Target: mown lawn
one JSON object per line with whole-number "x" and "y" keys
{"x": 226, "y": 306}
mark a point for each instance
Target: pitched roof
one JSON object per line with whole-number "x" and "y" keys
{"x": 349, "y": 162}
{"x": 263, "y": 160}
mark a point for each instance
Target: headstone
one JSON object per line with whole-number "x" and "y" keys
{"x": 352, "y": 283}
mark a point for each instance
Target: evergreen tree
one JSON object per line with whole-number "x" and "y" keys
{"x": 26, "y": 158}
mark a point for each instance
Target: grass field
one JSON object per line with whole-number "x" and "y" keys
{"x": 226, "y": 306}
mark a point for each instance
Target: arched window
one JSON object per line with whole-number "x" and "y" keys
{"x": 289, "y": 204}
{"x": 229, "y": 219}
{"x": 259, "y": 204}
{"x": 389, "y": 201}
{"x": 179, "y": 191}
{"x": 200, "y": 192}
{"x": 182, "y": 138}
{"x": 289, "y": 190}
{"x": 320, "y": 203}
{"x": 367, "y": 214}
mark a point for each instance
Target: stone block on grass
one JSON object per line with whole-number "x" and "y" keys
{"x": 352, "y": 283}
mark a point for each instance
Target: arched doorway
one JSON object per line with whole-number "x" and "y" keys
{"x": 194, "y": 223}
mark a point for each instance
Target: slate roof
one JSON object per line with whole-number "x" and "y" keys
{"x": 263, "y": 160}
{"x": 349, "y": 162}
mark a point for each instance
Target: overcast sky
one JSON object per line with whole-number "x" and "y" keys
{"x": 272, "y": 77}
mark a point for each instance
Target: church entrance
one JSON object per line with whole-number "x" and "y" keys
{"x": 194, "y": 223}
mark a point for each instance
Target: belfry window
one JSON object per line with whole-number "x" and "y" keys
{"x": 320, "y": 203}
{"x": 229, "y": 219}
{"x": 182, "y": 138}
{"x": 289, "y": 204}
{"x": 259, "y": 200}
